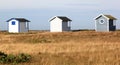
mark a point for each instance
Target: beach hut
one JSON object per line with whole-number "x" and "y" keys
{"x": 18, "y": 25}
{"x": 105, "y": 23}
{"x": 60, "y": 24}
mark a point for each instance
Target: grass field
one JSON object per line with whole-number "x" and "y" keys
{"x": 67, "y": 48}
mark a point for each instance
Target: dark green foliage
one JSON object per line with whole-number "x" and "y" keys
{"x": 22, "y": 58}
{"x": 9, "y": 58}
{"x": 4, "y": 58}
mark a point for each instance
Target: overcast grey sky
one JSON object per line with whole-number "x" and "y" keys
{"x": 82, "y": 12}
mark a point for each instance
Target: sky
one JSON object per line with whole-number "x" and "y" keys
{"x": 81, "y": 12}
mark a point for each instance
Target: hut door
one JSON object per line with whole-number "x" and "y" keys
{"x": 111, "y": 25}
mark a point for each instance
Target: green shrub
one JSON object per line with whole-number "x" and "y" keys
{"x": 22, "y": 58}
{"x": 4, "y": 58}
{"x": 10, "y": 58}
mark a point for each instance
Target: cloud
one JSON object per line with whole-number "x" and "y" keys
{"x": 109, "y": 5}
{"x": 23, "y": 4}
{"x": 59, "y": 4}
{"x": 18, "y": 4}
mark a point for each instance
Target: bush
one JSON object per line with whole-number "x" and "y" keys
{"x": 22, "y": 58}
{"x": 4, "y": 58}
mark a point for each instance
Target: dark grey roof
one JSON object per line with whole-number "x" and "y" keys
{"x": 65, "y": 19}
{"x": 19, "y": 19}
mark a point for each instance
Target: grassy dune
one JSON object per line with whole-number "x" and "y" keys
{"x": 67, "y": 48}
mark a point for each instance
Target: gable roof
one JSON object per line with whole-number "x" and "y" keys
{"x": 110, "y": 17}
{"x": 65, "y": 19}
{"x": 19, "y": 19}
{"x": 106, "y": 16}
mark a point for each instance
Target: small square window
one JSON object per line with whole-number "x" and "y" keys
{"x": 13, "y": 22}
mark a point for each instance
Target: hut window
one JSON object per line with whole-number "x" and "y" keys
{"x": 13, "y": 22}
{"x": 101, "y": 21}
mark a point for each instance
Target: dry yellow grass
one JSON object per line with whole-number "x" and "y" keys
{"x": 67, "y": 48}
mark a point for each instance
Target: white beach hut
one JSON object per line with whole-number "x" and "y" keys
{"x": 17, "y": 25}
{"x": 60, "y": 24}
